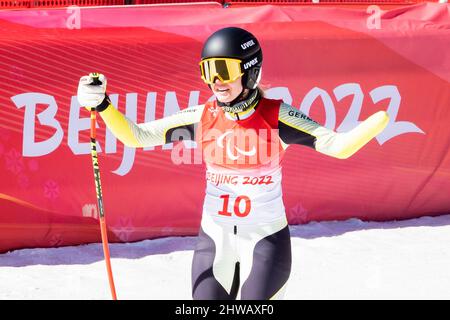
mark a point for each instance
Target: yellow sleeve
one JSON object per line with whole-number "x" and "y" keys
{"x": 345, "y": 144}
{"x": 153, "y": 133}
{"x": 119, "y": 126}
{"x": 295, "y": 127}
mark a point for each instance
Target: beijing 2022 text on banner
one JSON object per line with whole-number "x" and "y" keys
{"x": 337, "y": 65}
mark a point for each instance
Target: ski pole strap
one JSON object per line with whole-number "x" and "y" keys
{"x": 105, "y": 104}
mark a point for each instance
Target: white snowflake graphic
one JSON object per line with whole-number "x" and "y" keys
{"x": 124, "y": 229}
{"x": 14, "y": 161}
{"x": 298, "y": 214}
{"x": 51, "y": 189}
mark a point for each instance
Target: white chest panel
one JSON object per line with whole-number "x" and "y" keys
{"x": 244, "y": 197}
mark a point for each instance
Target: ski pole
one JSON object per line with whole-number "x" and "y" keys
{"x": 98, "y": 189}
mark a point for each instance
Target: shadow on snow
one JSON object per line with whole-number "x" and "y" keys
{"x": 91, "y": 253}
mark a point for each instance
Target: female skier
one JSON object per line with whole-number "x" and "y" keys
{"x": 243, "y": 248}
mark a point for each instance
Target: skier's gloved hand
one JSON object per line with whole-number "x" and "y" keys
{"x": 92, "y": 92}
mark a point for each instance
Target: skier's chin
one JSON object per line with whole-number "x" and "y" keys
{"x": 226, "y": 96}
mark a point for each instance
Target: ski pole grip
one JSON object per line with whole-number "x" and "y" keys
{"x": 95, "y": 80}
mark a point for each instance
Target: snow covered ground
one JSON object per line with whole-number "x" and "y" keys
{"x": 331, "y": 260}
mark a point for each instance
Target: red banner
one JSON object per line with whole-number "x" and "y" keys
{"x": 337, "y": 65}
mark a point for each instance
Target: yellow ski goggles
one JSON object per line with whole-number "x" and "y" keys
{"x": 226, "y": 69}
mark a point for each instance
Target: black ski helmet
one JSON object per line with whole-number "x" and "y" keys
{"x": 240, "y": 44}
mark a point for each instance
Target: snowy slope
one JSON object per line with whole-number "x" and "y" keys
{"x": 331, "y": 260}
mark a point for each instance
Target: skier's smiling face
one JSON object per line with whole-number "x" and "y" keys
{"x": 227, "y": 92}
